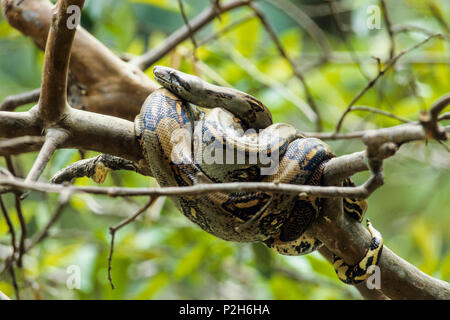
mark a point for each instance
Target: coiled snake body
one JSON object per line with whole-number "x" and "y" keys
{"x": 184, "y": 145}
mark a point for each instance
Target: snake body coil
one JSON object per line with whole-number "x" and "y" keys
{"x": 184, "y": 145}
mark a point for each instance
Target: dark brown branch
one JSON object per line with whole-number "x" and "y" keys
{"x": 14, "y": 281}
{"x": 10, "y": 226}
{"x": 216, "y": 6}
{"x": 23, "y": 229}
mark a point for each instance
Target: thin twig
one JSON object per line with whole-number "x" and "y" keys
{"x": 341, "y": 30}
{"x": 20, "y": 216}
{"x": 10, "y": 226}
{"x": 62, "y": 203}
{"x": 438, "y": 16}
{"x": 23, "y": 229}
{"x": 177, "y": 37}
{"x": 294, "y": 67}
{"x": 382, "y": 112}
{"x": 304, "y": 21}
{"x": 388, "y": 22}
{"x": 429, "y": 119}
{"x": 389, "y": 65}
{"x": 14, "y": 281}
{"x": 216, "y": 6}
{"x": 114, "y": 229}
{"x": 226, "y": 29}
{"x": 188, "y": 25}
{"x": 397, "y": 135}
{"x": 267, "y": 80}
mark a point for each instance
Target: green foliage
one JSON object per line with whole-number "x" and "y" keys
{"x": 162, "y": 254}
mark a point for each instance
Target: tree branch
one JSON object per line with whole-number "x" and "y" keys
{"x": 206, "y": 16}
{"x": 12, "y": 102}
{"x": 53, "y": 98}
{"x": 382, "y": 72}
{"x": 111, "y": 87}
{"x": 53, "y": 139}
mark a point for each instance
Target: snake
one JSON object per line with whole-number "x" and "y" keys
{"x": 193, "y": 132}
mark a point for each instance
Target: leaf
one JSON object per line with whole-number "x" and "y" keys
{"x": 189, "y": 263}
{"x": 59, "y": 255}
{"x": 428, "y": 241}
{"x": 118, "y": 27}
{"x": 62, "y": 158}
{"x": 284, "y": 288}
{"x": 85, "y": 259}
{"x": 264, "y": 260}
{"x": 445, "y": 269}
{"x": 155, "y": 284}
{"x": 7, "y": 289}
{"x": 246, "y": 37}
{"x": 165, "y": 4}
{"x": 292, "y": 42}
{"x": 321, "y": 266}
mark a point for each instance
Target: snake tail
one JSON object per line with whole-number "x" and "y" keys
{"x": 360, "y": 272}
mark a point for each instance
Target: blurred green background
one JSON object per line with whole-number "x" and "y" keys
{"x": 165, "y": 256}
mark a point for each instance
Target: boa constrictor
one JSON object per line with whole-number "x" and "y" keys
{"x": 184, "y": 145}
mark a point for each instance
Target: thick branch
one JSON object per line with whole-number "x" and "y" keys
{"x": 399, "y": 279}
{"x": 87, "y": 131}
{"x": 111, "y": 86}
{"x": 53, "y": 98}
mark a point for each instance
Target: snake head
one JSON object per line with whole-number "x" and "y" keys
{"x": 174, "y": 80}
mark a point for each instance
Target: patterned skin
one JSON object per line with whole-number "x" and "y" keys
{"x": 171, "y": 130}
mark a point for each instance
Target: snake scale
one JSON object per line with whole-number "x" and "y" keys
{"x": 234, "y": 140}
